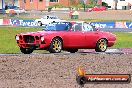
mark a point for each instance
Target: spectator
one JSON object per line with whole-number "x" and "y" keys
{"x": 6, "y": 7}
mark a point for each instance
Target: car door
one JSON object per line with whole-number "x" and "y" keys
{"x": 75, "y": 38}
{"x": 91, "y": 35}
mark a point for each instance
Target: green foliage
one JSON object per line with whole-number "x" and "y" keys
{"x": 78, "y": 6}
{"x": 73, "y": 2}
{"x": 93, "y": 2}
{"x": 104, "y": 4}
{"x": 58, "y": 6}
{"x": 124, "y": 40}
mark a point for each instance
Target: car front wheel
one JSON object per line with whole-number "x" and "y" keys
{"x": 26, "y": 50}
{"x": 101, "y": 45}
{"x": 55, "y": 46}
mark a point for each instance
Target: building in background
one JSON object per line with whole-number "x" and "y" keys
{"x": 43, "y": 4}
{"x": 40, "y": 4}
{"x": 121, "y": 4}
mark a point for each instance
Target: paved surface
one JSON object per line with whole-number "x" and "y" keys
{"x": 116, "y": 30}
{"x": 110, "y": 51}
{"x": 86, "y": 51}
{"x": 102, "y": 15}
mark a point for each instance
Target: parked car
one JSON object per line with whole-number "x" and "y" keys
{"x": 15, "y": 10}
{"x": 97, "y": 8}
{"x": 47, "y": 19}
{"x": 19, "y": 10}
{"x": 69, "y": 36}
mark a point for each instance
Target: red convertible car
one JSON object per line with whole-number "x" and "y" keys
{"x": 69, "y": 36}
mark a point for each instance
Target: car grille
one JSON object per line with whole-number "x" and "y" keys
{"x": 29, "y": 39}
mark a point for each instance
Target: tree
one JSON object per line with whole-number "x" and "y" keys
{"x": 93, "y": 2}
{"x": 104, "y": 4}
{"x": 74, "y": 2}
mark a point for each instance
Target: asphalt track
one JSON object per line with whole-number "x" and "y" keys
{"x": 116, "y": 29}
{"x": 81, "y": 52}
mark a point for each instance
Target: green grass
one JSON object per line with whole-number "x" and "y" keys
{"x": 7, "y": 38}
{"x": 124, "y": 40}
{"x": 8, "y": 42}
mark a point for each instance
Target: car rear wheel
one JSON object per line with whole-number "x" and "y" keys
{"x": 55, "y": 46}
{"x": 26, "y": 50}
{"x": 40, "y": 23}
{"x": 101, "y": 45}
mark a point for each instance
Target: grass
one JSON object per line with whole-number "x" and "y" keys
{"x": 8, "y": 42}
{"x": 7, "y": 38}
{"x": 124, "y": 40}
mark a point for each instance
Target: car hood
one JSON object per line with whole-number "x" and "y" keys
{"x": 40, "y": 33}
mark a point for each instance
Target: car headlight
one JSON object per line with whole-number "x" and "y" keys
{"x": 42, "y": 38}
{"x": 17, "y": 37}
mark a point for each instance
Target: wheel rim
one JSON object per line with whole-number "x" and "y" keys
{"x": 57, "y": 45}
{"x": 102, "y": 44}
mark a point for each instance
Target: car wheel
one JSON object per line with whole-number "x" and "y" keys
{"x": 72, "y": 50}
{"x": 81, "y": 80}
{"x": 40, "y": 23}
{"x": 26, "y": 50}
{"x": 55, "y": 46}
{"x": 101, "y": 45}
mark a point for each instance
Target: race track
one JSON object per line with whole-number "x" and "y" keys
{"x": 116, "y": 29}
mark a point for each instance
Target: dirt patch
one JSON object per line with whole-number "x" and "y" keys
{"x": 59, "y": 70}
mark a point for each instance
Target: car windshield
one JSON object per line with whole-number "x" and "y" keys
{"x": 63, "y": 26}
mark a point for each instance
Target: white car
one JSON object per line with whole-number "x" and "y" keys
{"x": 17, "y": 10}
{"x": 47, "y": 19}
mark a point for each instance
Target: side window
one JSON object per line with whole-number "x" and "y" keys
{"x": 87, "y": 27}
{"x": 77, "y": 27}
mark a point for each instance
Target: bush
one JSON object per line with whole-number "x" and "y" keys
{"x": 104, "y": 4}
{"x": 58, "y": 6}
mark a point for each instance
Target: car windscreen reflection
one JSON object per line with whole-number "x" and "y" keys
{"x": 58, "y": 27}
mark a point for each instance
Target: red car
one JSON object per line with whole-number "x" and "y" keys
{"x": 96, "y": 8}
{"x": 69, "y": 36}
